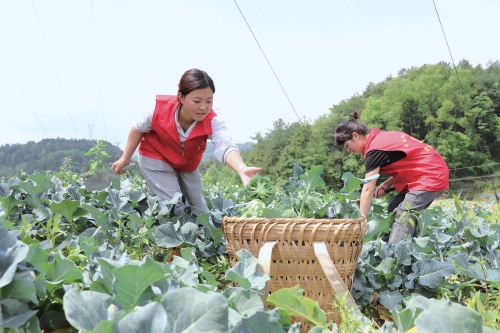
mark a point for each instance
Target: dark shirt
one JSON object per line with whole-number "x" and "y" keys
{"x": 378, "y": 158}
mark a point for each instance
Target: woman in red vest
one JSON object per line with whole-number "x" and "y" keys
{"x": 173, "y": 137}
{"x": 416, "y": 171}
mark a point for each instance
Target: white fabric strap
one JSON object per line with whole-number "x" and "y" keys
{"x": 265, "y": 265}
{"x": 332, "y": 274}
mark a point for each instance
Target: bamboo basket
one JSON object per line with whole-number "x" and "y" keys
{"x": 319, "y": 255}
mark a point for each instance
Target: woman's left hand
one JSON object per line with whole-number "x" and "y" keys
{"x": 247, "y": 173}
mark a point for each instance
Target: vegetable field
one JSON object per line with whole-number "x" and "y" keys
{"x": 119, "y": 260}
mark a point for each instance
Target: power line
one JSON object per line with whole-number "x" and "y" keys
{"x": 463, "y": 93}
{"x": 475, "y": 166}
{"x": 474, "y": 177}
{"x": 98, "y": 73}
{"x": 248, "y": 25}
{"x": 448, "y": 45}
{"x": 57, "y": 76}
{"x": 29, "y": 104}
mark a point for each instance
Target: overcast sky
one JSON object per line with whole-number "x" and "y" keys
{"x": 91, "y": 68}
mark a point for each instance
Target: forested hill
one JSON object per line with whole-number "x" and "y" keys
{"x": 457, "y": 115}
{"x": 209, "y": 152}
{"x": 49, "y": 155}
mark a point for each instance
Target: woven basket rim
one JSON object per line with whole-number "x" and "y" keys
{"x": 291, "y": 219}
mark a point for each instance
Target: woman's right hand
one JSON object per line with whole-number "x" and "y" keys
{"x": 118, "y": 165}
{"x": 247, "y": 173}
{"x": 380, "y": 191}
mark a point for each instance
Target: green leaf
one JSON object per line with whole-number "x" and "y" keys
{"x": 29, "y": 188}
{"x": 233, "y": 317}
{"x": 41, "y": 286}
{"x": 311, "y": 180}
{"x": 119, "y": 202}
{"x": 351, "y": 183}
{"x": 39, "y": 207}
{"x": 131, "y": 281}
{"x": 66, "y": 208}
{"x": 431, "y": 273}
{"x": 292, "y": 301}
{"x": 21, "y": 288}
{"x": 222, "y": 204}
{"x": 188, "y": 254}
{"x": 192, "y": 311}
{"x": 11, "y": 258}
{"x": 14, "y": 313}
{"x": 136, "y": 196}
{"x": 245, "y": 272}
{"x": 104, "y": 326}
{"x": 215, "y": 234}
{"x": 185, "y": 272}
{"x": 32, "y": 325}
{"x": 42, "y": 182}
{"x": 405, "y": 318}
{"x": 447, "y": 317}
{"x": 107, "y": 268}
{"x": 297, "y": 170}
{"x": 150, "y": 318}
{"x": 317, "y": 329}
{"x": 99, "y": 286}
{"x": 458, "y": 206}
{"x": 101, "y": 196}
{"x": 101, "y": 219}
{"x": 65, "y": 270}
{"x": 7, "y": 241}
{"x": 85, "y": 309}
{"x": 390, "y": 299}
{"x": 428, "y": 219}
{"x": 135, "y": 221}
{"x": 421, "y": 244}
{"x": 271, "y": 213}
{"x": 246, "y": 301}
{"x": 377, "y": 226}
{"x": 190, "y": 231}
{"x": 167, "y": 235}
{"x": 210, "y": 278}
{"x": 260, "y": 322}
{"x": 9, "y": 203}
{"x": 489, "y": 330}
{"x": 402, "y": 254}
{"x": 385, "y": 267}
{"x": 4, "y": 190}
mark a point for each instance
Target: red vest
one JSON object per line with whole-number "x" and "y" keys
{"x": 422, "y": 169}
{"x": 163, "y": 143}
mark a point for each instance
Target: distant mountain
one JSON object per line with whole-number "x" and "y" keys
{"x": 49, "y": 155}
{"x": 209, "y": 152}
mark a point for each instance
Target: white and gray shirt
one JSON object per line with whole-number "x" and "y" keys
{"x": 220, "y": 137}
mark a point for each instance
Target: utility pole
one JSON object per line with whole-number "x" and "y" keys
{"x": 91, "y": 126}
{"x": 118, "y": 150}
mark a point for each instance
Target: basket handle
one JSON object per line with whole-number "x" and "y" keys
{"x": 332, "y": 274}
{"x": 265, "y": 265}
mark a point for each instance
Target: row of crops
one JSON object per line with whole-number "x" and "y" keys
{"x": 120, "y": 260}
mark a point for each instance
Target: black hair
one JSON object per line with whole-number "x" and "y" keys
{"x": 194, "y": 79}
{"x": 344, "y": 130}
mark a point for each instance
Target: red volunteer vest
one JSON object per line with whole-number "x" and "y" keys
{"x": 423, "y": 169}
{"x": 163, "y": 143}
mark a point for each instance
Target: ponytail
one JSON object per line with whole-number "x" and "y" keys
{"x": 344, "y": 130}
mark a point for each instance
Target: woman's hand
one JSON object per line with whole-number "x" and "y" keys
{"x": 380, "y": 191}
{"x": 247, "y": 173}
{"x": 118, "y": 165}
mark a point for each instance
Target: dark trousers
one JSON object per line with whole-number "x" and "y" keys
{"x": 407, "y": 205}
